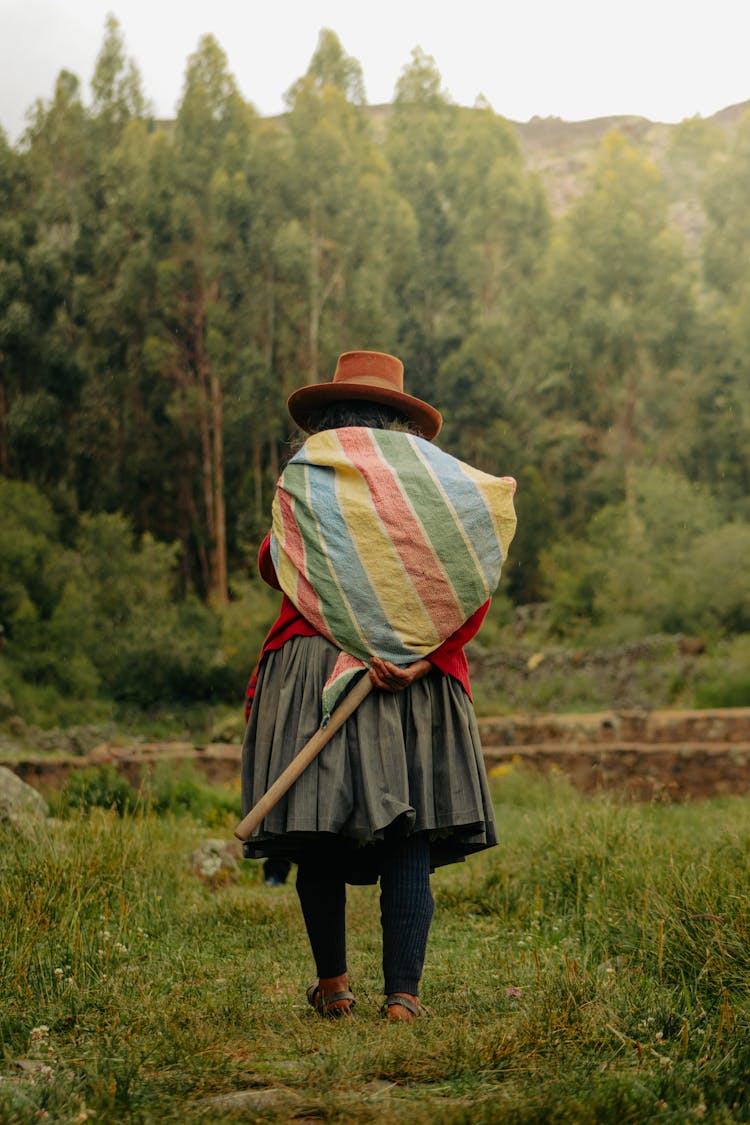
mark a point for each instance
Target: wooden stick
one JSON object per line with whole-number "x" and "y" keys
{"x": 299, "y": 764}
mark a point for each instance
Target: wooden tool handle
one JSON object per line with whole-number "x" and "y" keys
{"x": 309, "y": 751}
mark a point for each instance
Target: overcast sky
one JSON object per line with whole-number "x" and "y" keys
{"x": 663, "y": 59}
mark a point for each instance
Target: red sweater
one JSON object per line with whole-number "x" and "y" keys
{"x": 449, "y": 658}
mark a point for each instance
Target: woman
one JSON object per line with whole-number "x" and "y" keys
{"x": 401, "y": 788}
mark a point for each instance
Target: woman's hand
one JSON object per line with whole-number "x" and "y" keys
{"x": 390, "y": 677}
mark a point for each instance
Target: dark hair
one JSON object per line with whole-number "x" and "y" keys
{"x": 376, "y": 416}
{"x": 338, "y": 415}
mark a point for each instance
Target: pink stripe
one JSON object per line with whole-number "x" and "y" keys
{"x": 305, "y": 599}
{"x": 345, "y": 662}
{"x": 404, "y": 530}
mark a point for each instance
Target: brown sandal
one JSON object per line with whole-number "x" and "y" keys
{"x": 322, "y": 1002}
{"x": 397, "y": 999}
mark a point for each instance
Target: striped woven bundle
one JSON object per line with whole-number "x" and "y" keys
{"x": 386, "y": 544}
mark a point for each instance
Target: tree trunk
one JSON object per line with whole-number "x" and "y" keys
{"x": 210, "y": 424}
{"x": 314, "y": 316}
{"x": 630, "y": 441}
{"x": 221, "y": 582}
{"x": 190, "y": 524}
{"x": 258, "y": 482}
{"x": 4, "y": 453}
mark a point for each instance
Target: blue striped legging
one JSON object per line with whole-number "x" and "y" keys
{"x": 406, "y": 909}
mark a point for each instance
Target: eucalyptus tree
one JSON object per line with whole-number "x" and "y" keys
{"x": 502, "y": 221}
{"x": 347, "y": 228}
{"x": 15, "y": 310}
{"x": 219, "y": 187}
{"x": 500, "y": 238}
{"x": 619, "y": 304}
{"x": 43, "y": 188}
{"x": 247, "y": 210}
{"x": 209, "y": 135}
{"x": 720, "y": 421}
{"x": 432, "y": 292}
{"x": 114, "y": 445}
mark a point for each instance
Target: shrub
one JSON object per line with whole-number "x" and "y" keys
{"x": 104, "y": 619}
{"x": 181, "y": 793}
{"x": 99, "y": 787}
{"x": 725, "y": 677}
{"x": 667, "y": 561}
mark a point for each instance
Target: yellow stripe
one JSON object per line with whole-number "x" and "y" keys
{"x": 498, "y": 495}
{"x": 286, "y": 571}
{"x": 287, "y": 575}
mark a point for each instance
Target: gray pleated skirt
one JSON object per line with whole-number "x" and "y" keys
{"x": 404, "y": 762}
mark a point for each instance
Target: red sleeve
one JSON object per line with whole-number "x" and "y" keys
{"x": 462, "y": 635}
{"x": 450, "y": 658}
{"x": 266, "y": 568}
{"x": 290, "y": 623}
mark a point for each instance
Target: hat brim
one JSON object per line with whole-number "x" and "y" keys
{"x": 307, "y": 401}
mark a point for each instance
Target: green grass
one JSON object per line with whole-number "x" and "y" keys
{"x": 593, "y": 968}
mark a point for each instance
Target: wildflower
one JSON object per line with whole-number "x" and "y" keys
{"x": 120, "y": 948}
{"x": 106, "y": 935}
{"x": 513, "y": 993}
{"x": 58, "y": 973}
{"x": 210, "y": 866}
{"x": 38, "y": 1034}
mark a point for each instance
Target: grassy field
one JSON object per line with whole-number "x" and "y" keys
{"x": 593, "y": 968}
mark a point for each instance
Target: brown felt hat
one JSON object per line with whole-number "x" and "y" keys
{"x": 365, "y": 377}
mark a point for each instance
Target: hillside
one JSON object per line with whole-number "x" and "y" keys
{"x": 561, "y": 151}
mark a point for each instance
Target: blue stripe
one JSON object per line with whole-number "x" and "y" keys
{"x": 470, "y": 506}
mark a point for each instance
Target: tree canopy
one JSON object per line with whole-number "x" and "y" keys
{"x": 165, "y": 285}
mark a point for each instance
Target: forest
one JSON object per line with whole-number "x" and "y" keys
{"x": 164, "y": 286}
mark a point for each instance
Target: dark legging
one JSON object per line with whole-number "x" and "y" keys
{"x": 406, "y": 908}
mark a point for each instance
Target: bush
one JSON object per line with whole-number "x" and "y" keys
{"x": 245, "y": 621}
{"x": 99, "y": 787}
{"x": 182, "y": 793}
{"x": 167, "y": 791}
{"x": 32, "y": 561}
{"x": 666, "y": 562}
{"x": 728, "y": 693}
{"x": 104, "y": 620}
{"x": 725, "y": 676}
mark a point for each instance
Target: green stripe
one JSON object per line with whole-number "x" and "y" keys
{"x": 318, "y": 569}
{"x": 437, "y": 519}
